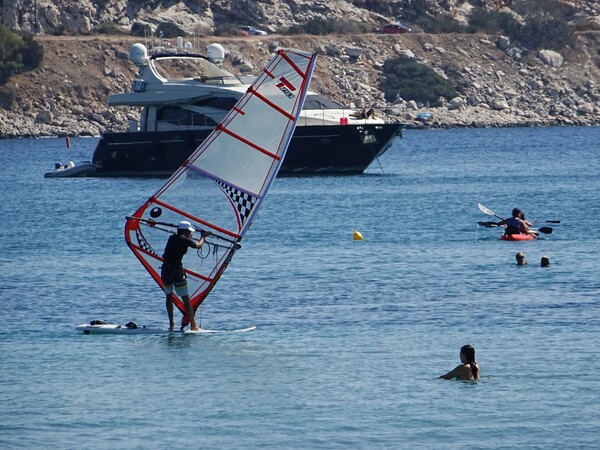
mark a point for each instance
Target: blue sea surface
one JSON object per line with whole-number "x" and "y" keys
{"x": 351, "y": 335}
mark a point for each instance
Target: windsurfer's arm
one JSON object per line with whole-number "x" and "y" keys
{"x": 200, "y": 242}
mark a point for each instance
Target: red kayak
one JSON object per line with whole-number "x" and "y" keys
{"x": 517, "y": 237}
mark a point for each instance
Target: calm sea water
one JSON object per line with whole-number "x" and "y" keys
{"x": 351, "y": 336}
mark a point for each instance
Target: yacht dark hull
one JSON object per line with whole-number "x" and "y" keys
{"x": 314, "y": 150}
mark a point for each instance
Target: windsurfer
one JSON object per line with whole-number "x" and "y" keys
{"x": 172, "y": 272}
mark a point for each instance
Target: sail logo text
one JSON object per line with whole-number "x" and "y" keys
{"x": 286, "y": 87}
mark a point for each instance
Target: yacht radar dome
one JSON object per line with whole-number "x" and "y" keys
{"x": 215, "y": 53}
{"x": 138, "y": 54}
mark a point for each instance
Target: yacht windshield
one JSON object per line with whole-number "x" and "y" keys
{"x": 225, "y": 103}
{"x": 316, "y": 101}
{"x": 189, "y": 67}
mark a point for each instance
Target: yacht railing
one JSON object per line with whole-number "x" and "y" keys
{"x": 195, "y": 121}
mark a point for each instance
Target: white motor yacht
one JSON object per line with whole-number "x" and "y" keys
{"x": 183, "y": 96}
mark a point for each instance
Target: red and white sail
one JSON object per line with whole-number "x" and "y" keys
{"x": 221, "y": 186}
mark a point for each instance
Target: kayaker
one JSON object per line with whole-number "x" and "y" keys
{"x": 520, "y": 257}
{"x": 514, "y": 224}
{"x": 468, "y": 370}
{"x": 527, "y": 222}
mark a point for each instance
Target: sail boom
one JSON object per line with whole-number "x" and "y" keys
{"x": 155, "y": 224}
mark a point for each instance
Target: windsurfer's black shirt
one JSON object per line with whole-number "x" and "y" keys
{"x": 176, "y": 247}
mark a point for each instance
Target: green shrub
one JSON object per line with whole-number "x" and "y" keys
{"x": 140, "y": 29}
{"x": 318, "y": 27}
{"x": 33, "y": 53}
{"x": 546, "y": 24}
{"x": 559, "y": 9}
{"x": 490, "y": 21}
{"x": 8, "y": 97}
{"x": 544, "y": 32}
{"x": 169, "y": 30}
{"x": 321, "y": 27}
{"x": 18, "y": 53}
{"x": 439, "y": 24}
{"x": 108, "y": 28}
{"x": 413, "y": 81}
{"x": 227, "y": 30}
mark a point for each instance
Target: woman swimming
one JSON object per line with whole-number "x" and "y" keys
{"x": 468, "y": 370}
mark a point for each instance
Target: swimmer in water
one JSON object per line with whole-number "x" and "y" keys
{"x": 520, "y": 257}
{"x": 468, "y": 370}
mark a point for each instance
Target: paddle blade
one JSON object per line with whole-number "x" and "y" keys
{"x": 485, "y": 210}
{"x": 487, "y": 224}
{"x": 488, "y": 211}
{"x": 545, "y": 230}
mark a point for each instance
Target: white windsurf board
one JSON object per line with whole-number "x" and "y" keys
{"x": 95, "y": 327}
{"x": 111, "y": 328}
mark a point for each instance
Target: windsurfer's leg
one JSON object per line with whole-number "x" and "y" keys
{"x": 189, "y": 312}
{"x": 169, "y": 305}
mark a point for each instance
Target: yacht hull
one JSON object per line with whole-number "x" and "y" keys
{"x": 316, "y": 149}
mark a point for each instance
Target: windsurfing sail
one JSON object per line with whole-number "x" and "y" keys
{"x": 222, "y": 185}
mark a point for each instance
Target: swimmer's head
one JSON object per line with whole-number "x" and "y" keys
{"x": 545, "y": 261}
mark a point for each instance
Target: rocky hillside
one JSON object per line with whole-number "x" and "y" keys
{"x": 500, "y": 83}
{"x": 207, "y": 16}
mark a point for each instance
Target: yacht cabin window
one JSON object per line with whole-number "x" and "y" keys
{"x": 184, "y": 117}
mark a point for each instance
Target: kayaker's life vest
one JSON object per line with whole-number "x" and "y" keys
{"x": 513, "y": 226}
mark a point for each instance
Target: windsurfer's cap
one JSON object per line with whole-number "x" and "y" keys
{"x": 185, "y": 225}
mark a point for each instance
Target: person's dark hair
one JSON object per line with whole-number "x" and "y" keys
{"x": 516, "y": 213}
{"x": 469, "y": 352}
{"x": 545, "y": 261}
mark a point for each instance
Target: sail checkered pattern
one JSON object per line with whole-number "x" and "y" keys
{"x": 143, "y": 243}
{"x": 244, "y": 202}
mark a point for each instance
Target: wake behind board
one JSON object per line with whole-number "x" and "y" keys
{"x": 239, "y": 330}
{"x": 100, "y": 327}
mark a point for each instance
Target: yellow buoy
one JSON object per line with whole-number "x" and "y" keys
{"x": 357, "y": 236}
